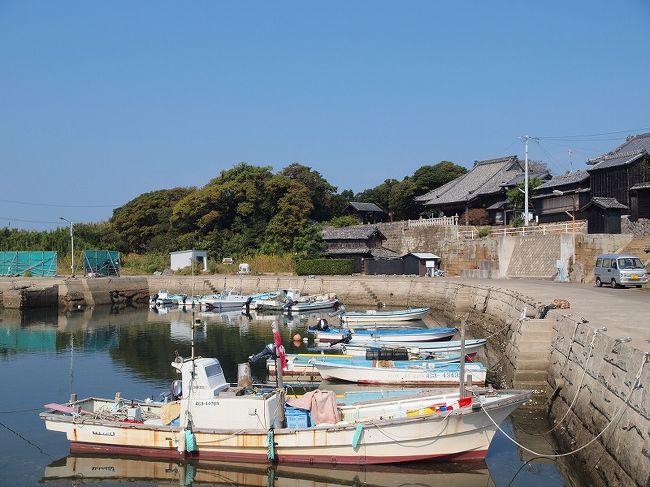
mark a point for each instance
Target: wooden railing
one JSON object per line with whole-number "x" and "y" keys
{"x": 434, "y": 222}
{"x": 579, "y": 226}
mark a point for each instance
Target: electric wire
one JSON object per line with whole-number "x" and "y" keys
{"x": 54, "y": 205}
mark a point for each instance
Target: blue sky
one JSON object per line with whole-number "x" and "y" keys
{"x": 102, "y": 101}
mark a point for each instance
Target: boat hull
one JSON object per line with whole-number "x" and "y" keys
{"x": 462, "y": 434}
{"x": 393, "y": 336}
{"x": 444, "y": 375}
{"x": 373, "y": 316}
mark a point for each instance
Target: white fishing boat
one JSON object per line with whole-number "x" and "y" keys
{"x": 384, "y": 316}
{"x": 472, "y": 347}
{"x": 371, "y": 335}
{"x": 228, "y": 299}
{"x": 164, "y": 298}
{"x": 302, "y": 366}
{"x": 419, "y": 372}
{"x": 210, "y": 419}
{"x": 291, "y": 300}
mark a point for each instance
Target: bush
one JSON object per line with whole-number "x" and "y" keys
{"x": 475, "y": 216}
{"x": 136, "y": 264}
{"x": 484, "y": 231}
{"x": 305, "y": 267}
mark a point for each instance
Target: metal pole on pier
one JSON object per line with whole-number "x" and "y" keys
{"x": 461, "y": 376}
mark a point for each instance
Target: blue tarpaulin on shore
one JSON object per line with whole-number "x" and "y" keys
{"x": 35, "y": 263}
{"x": 102, "y": 262}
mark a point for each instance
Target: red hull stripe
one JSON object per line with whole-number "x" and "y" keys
{"x": 76, "y": 447}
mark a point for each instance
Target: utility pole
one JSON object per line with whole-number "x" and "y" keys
{"x": 526, "y": 138}
{"x": 526, "y": 181}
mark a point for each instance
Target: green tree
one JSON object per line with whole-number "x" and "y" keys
{"x": 321, "y": 192}
{"x": 427, "y": 178}
{"x": 340, "y": 202}
{"x": 309, "y": 241}
{"x": 379, "y": 195}
{"x": 401, "y": 200}
{"x": 146, "y": 219}
{"x": 516, "y": 195}
{"x": 343, "y": 221}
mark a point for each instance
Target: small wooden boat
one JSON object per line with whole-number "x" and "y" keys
{"x": 236, "y": 424}
{"x": 371, "y": 335}
{"x": 380, "y": 316}
{"x": 164, "y": 298}
{"x": 310, "y": 303}
{"x": 399, "y": 372}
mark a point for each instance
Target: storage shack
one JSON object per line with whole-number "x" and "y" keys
{"x": 420, "y": 263}
{"x": 185, "y": 258}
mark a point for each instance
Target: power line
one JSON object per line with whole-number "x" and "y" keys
{"x": 27, "y": 221}
{"x": 629, "y": 131}
{"x": 53, "y": 205}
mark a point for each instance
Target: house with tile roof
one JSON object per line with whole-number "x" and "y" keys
{"x": 481, "y": 187}
{"x": 624, "y": 174}
{"x": 357, "y": 242}
{"x": 557, "y": 199}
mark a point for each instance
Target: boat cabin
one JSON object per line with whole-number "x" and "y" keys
{"x": 208, "y": 401}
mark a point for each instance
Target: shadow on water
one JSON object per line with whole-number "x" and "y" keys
{"x": 47, "y": 356}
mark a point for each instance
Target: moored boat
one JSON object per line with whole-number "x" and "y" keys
{"x": 384, "y": 316}
{"x": 370, "y": 335}
{"x": 472, "y": 346}
{"x": 419, "y": 372}
{"x": 212, "y": 420}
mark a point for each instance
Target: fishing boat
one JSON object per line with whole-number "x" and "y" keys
{"x": 472, "y": 347}
{"x": 384, "y": 316}
{"x": 418, "y": 372}
{"x": 209, "y": 419}
{"x": 164, "y": 298}
{"x": 228, "y": 299}
{"x": 302, "y": 366}
{"x": 310, "y": 303}
{"x": 371, "y": 335}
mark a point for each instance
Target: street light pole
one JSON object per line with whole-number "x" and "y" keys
{"x": 71, "y": 242}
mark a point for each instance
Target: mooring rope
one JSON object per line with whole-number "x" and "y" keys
{"x": 636, "y": 385}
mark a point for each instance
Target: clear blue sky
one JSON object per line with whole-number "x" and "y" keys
{"x": 102, "y": 101}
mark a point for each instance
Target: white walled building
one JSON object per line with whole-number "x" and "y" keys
{"x": 183, "y": 258}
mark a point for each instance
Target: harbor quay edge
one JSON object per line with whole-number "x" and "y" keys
{"x": 589, "y": 361}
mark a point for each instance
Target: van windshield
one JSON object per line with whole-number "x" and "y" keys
{"x": 630, "y": 263}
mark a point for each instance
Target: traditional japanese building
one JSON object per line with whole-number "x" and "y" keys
{"x": 357, "y": 242}
{"x": 365, "y": 212}
{"x": 562, "y": 196}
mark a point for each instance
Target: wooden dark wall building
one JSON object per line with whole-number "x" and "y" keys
{"x": 603, "y": 215}
{"x": 622, "y": 174}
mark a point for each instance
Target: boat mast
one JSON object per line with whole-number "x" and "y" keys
{"x": 461, "y": 375}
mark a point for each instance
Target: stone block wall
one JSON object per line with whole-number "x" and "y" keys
{"x": 592, "y": 377}
{"x": 588, "y": 247}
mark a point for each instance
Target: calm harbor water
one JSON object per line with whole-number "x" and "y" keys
{"x": 97, "y": 352}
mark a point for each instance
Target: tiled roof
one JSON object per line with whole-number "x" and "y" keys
{"x": 604, "y": 203}
{"x": 565, "y": 179}
{"x": 381, "y": 253}
{"x": 349, "y": 251}
{"x": 365, "y": 206}
{"x": 486, "y": 177}
{"x": 498, "y": 205}
{"x": 630, "y": 150}
{"x": 354, "y": 232}
{"x": 519, "y": 178}
{"x": 641, "y": 186}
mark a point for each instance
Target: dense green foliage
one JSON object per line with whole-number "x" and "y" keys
{"x": 516, "y": 195}
{"x": 319, "y": 267}
{"x": 244, "y": 211}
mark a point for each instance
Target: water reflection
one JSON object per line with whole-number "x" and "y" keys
{"x": 102, "y": 469}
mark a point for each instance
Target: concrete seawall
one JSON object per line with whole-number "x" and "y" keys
{"x": 586, "y": 378}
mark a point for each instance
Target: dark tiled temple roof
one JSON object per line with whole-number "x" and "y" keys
{"x": 565, "y": 179}
{"x": 486, "y": 177}
{"x": 354, "y": 232}
{"x": 629, "y": 151}
{"x": 641, "y": 186}
{"x": 359, "y": 206}
{"x": 604, "y": 203}
{"x": 519, "y": 178}
{"x": 498, "y": 205}
{"x": 381, "y": 253}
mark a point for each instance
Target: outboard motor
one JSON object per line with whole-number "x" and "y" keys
{"x": 321, "y": 325}
{"x": 247, "y": 305}
{"x": 267, "y": 352}
{"x": 288, "y": 304}
{"x": 177, "y": 389}
{"x": 346, "y": 339}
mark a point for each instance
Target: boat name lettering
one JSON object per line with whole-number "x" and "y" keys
{"x": 104, "y": 433}
{"x": 206, "y": 403}
{"x": 105, "y": 469}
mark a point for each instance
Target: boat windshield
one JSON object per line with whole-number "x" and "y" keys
{"x": 630, "y": 263}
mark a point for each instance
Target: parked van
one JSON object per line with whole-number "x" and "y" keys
{"x": 620, "y": 270}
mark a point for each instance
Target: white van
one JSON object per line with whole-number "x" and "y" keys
{"x": 620, "y": 270}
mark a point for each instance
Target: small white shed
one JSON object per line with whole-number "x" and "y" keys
{"x": 184, "y": 258}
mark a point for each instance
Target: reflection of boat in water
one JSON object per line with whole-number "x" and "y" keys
{"x": 95, "y": 469}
